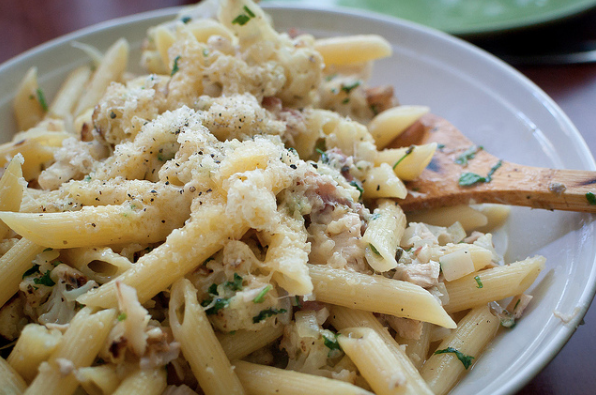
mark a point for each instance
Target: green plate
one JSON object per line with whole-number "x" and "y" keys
{"x": 464, "y": 17}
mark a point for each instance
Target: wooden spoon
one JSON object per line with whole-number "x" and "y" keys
{"x": 518, "y": 185}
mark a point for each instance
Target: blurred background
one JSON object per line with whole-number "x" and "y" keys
{"x": 552, "y": 42}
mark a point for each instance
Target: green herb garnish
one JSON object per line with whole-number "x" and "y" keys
{"x": 264, "y": 314}
{"x": 480, "y": 285}
{"x": 591, "y": 198}
{"x": 122, "y": 317}
{"x": 375, "y": 216}
{"x": 175, "y": 68}
{"x": 186, "y": 19}
{"x": 243, "y": 19}
{"x": 469, "y": 179}
{"x": 45, "y": 279}
{"x": 356, "y": 185}
{"x": 374, "y": 249}
{"x": 42, "y": 99}
{"x": 219, "y": 304}
{"x": 408, "y": 152}
{"x": 213, "y": 289}
{"x": 261, "y": 296}
{"x": 33, "y": 270}
{"x": 466, "y": 360}
{"x": 331, "y": 343}
{"x": 467, "y": 155}
{"x": 324, "y": 156}
{"x": 349, "y": 88}
{"x": 236, "y": 284}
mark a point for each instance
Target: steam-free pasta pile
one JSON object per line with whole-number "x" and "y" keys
{"x": 230, "y": 223}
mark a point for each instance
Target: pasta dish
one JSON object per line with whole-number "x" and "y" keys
{"x": 229, "y": 223}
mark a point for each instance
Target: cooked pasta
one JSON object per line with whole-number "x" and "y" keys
{"x": 230, "y": 223}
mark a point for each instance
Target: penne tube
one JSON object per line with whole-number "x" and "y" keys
{"x": 149, "y": 275}
{"x": 407, "y": 163}
{"x": 243, "y": 342}
{"x": 469, "y": 218}
{"x": 417, "y": 349}
{"x": 377, "y": 294}
{"x": 10, "y": 381}
{"x": 375, "y": 361}
{"x": 34, "y": 346}
{"x": 445, "y": 367}
{"x": 383, "y": 234}
{"x": 70, "y": 91}
{"x": 267, "y": 380}
{"x": 489, "y": 285}
{"x": 29, "y": 102}
{"x": 99, "y": 380}
{"x": 352, "y": 49}
{"x": 11, "y": 189}
{"x": 143, "y": 382}
{"x": 164, "y": 39}
{"x": 98, "y": 264}
{"x": 102, "y": 225}
{"x": 381, "y": 182}
{"x": 496, "y": 215}
{"x": 13, "y": 264}
{"x": 389, "y": 124}
{"x": 110, "y": 69}
{"x": 342, "y": 318}
{"x": 206, "y": 357}
{"x": 81, "y": 342}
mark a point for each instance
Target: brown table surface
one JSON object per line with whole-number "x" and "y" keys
{"x": 27, "y": 23}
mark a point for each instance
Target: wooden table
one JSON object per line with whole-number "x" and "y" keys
{"x": 27, "y": 23}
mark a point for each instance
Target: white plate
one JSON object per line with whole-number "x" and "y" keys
{"x": 490, "y": 102}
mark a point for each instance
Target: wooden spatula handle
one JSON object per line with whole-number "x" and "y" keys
{"x": 516, "y": 185}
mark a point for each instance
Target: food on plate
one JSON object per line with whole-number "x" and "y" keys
{"x": 230, "y": 223}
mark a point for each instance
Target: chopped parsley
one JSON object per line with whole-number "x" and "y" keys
{"x": 330, "y": 77}
{"x": 87, "y": 178}
{"x": 45, "y": 279}
{"x": 330, "y": 340}
{"x": 345, "y": 101}
{"x": 356, "y": 185}
{"x": 374, "y": 249}
{"x": 112, "y": 114}
{"x": 591, "y": 198}
{"x": 33, "y": 270}
{"x": 408, "y": 152}
{"x": 467, "y": 155}
{"x": 349, "y": 88}
{"x": 243, "y": 19}
{"x": 186, "y": 19}
{"x": 213, "y": 289}
{"x": 466, "y": 360}
{"x": 516, "y": 304}
{"x": 324, "y": 156}
{"x": 479, "y": 282}
{"x": 48, "y": 249}
{"x": 264, "y": 314}
{"x": 122, "y": 316}
{"x": 42, "y": 99}
{"x": 261, "y": 296}
{"x": 375, "y": 216}
{"x": 469, "y": 179}
{"x": 205, "y": 52}
{"x": 440, "y": 146}
{"x": 236, "y": 284}
{"x": 175, "y": 68}
{"x": 219, "y": 304}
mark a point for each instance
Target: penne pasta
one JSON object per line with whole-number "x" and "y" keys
{"x": 87, "y": 331}
{"x": 389, "y": 124}
{"x": 143, "y": 382}
{"x": 377, "y": 294}
{"x": 383, "y": 235}
{"x": 352, "y": 49}
{"x": 207, "y": 359}
{"x": 241, "y": 343}
{"x": 267, "y": 380}
{"x": 497, "y": 283}
{"x": 456, "y": 352}
{"x": 10, "y": 381}
{"x": 29, "y": 102}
